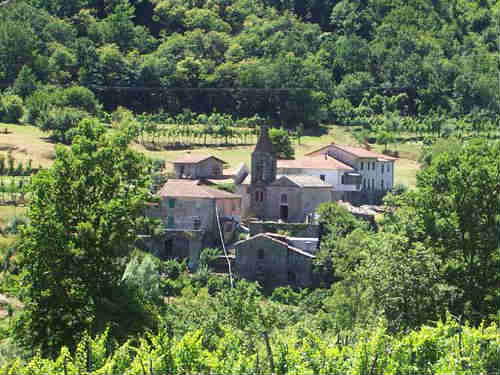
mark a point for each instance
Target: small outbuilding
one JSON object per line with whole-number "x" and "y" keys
{"x": 195, "y": 166}
{"x": 273, "y": 262}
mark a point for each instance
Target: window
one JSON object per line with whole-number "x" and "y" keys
{"x": 259, "y": 170}
{"x": 259, "y": 196}
{"x": 197, "y": 223}
{"x": 373, "y": 166}
{"x": 373, "y": 183}
{"x": 364, "y": 184}
{"x": 170, "y": 222}
{"x": 322, "y": 177}
{"x": 171, "y": 203}
{"x": 362, "y": 165}
{"x": 388, "y": 165}
{"x": 342, "y": 179}
{"x": 260, "y": 254}
{"x": 284, "y": 199}
{"x": 382, "y": 168}
{"x": 382, "y": 184}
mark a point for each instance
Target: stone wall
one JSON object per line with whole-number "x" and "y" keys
{"x": 294, "y": 203}
{"x": 205, "y": 169}
{"x": 270, "y": 269}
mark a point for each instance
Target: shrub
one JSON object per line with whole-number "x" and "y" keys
{"x": 11, "y": 108}
{"x": 61, "y": 122}
{"x": 41, "y": 101}
{"x": 14, "y": 224}
{"x": 173, "y": 268}
{"x": 80, "y": 97}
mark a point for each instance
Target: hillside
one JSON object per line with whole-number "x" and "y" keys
{"x": 333, "y": 61}
{"x": 101, "y": 273}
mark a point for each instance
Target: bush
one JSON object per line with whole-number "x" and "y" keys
{"x": 281, "y": 143}
{"x": 80, "y": 97}
{"x": 11, "y": 108}
{"x": 14, "y": 224}
{"x": 174, "y": 268}
{"x": 61, "y": 122}
{"x": 41, "y": 101}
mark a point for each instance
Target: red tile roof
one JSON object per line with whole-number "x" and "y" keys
{"x": 357, "y": 151}
{"x": 179, "y": 188}
{"x": 314, "y": 162}
{"x": 195, "y": 158}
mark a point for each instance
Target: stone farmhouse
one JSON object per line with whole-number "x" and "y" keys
{"x": 273, "y": 261}
{"x": 192, "y": 166}
{"x": 188, "y": 209}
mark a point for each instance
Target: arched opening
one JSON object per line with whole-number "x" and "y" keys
{"x": 260, "y": 254}
{"x": 284, "y": 207}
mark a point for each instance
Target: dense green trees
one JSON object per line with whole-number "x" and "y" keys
{"x": 436, "y": 249}
{"x": 456, "y": 207}
{"x": 82, "y": 217}
{"x": 305, "y": 62}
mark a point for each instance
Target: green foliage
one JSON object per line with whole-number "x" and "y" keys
{"x": 25, "y": 83}
{"x": 11, "y": 108}
{"x": 81, "y": 226}
{"x": 282, "y": 144}
{"x": 61, "y": 122}
{"x": 208, "y": 256}
{"x": 141, "y": 276}
{"x": 447, "y": 347}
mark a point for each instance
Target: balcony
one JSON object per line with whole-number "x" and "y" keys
{"x": 351, "y": 181}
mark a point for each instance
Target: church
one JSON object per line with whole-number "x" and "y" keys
{"x": 290, "y": 198}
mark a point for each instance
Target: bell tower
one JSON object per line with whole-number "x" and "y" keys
{"x": 264, "y": 166}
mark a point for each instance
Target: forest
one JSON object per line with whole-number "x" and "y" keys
{"x": 418, "y": 293}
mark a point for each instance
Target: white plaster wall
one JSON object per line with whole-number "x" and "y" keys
{"x": 332, "y": 176}
{"x": 375, "y": 176}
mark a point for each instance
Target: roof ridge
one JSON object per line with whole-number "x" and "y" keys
{"x": 294, "y": 249}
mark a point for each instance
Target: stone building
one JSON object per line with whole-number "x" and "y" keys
{"x": 263, "y": 173}
{"x": 267, "y": 196}
{"x": 188, "y": 210}
{"x": 193, "y": 166}
{"x": 376, "y": 171}
{"x": 342, "y": 177}
{"x": 293, "y": 198}
{"x": 273, "y": 262}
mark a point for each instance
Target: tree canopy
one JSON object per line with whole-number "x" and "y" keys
{"x": 293, "y": 61}
{"x": 82, "y": 225}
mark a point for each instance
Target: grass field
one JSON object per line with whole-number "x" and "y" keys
{"x": 28, "y": 142}
{"x": 406, "y": 167}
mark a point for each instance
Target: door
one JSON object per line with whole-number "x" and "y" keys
{"x": 284, "y": 212}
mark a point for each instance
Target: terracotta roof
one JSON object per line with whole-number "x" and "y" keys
{"x": 178, "y": 188}
{"x": 291, "y": 248}
{"x": 357, "y": 151}
{"x": 195, "y": 158}
{"x": 264, "y": 143}
{"x": 314, "y": 162}
{"x": 305, "y": 181}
